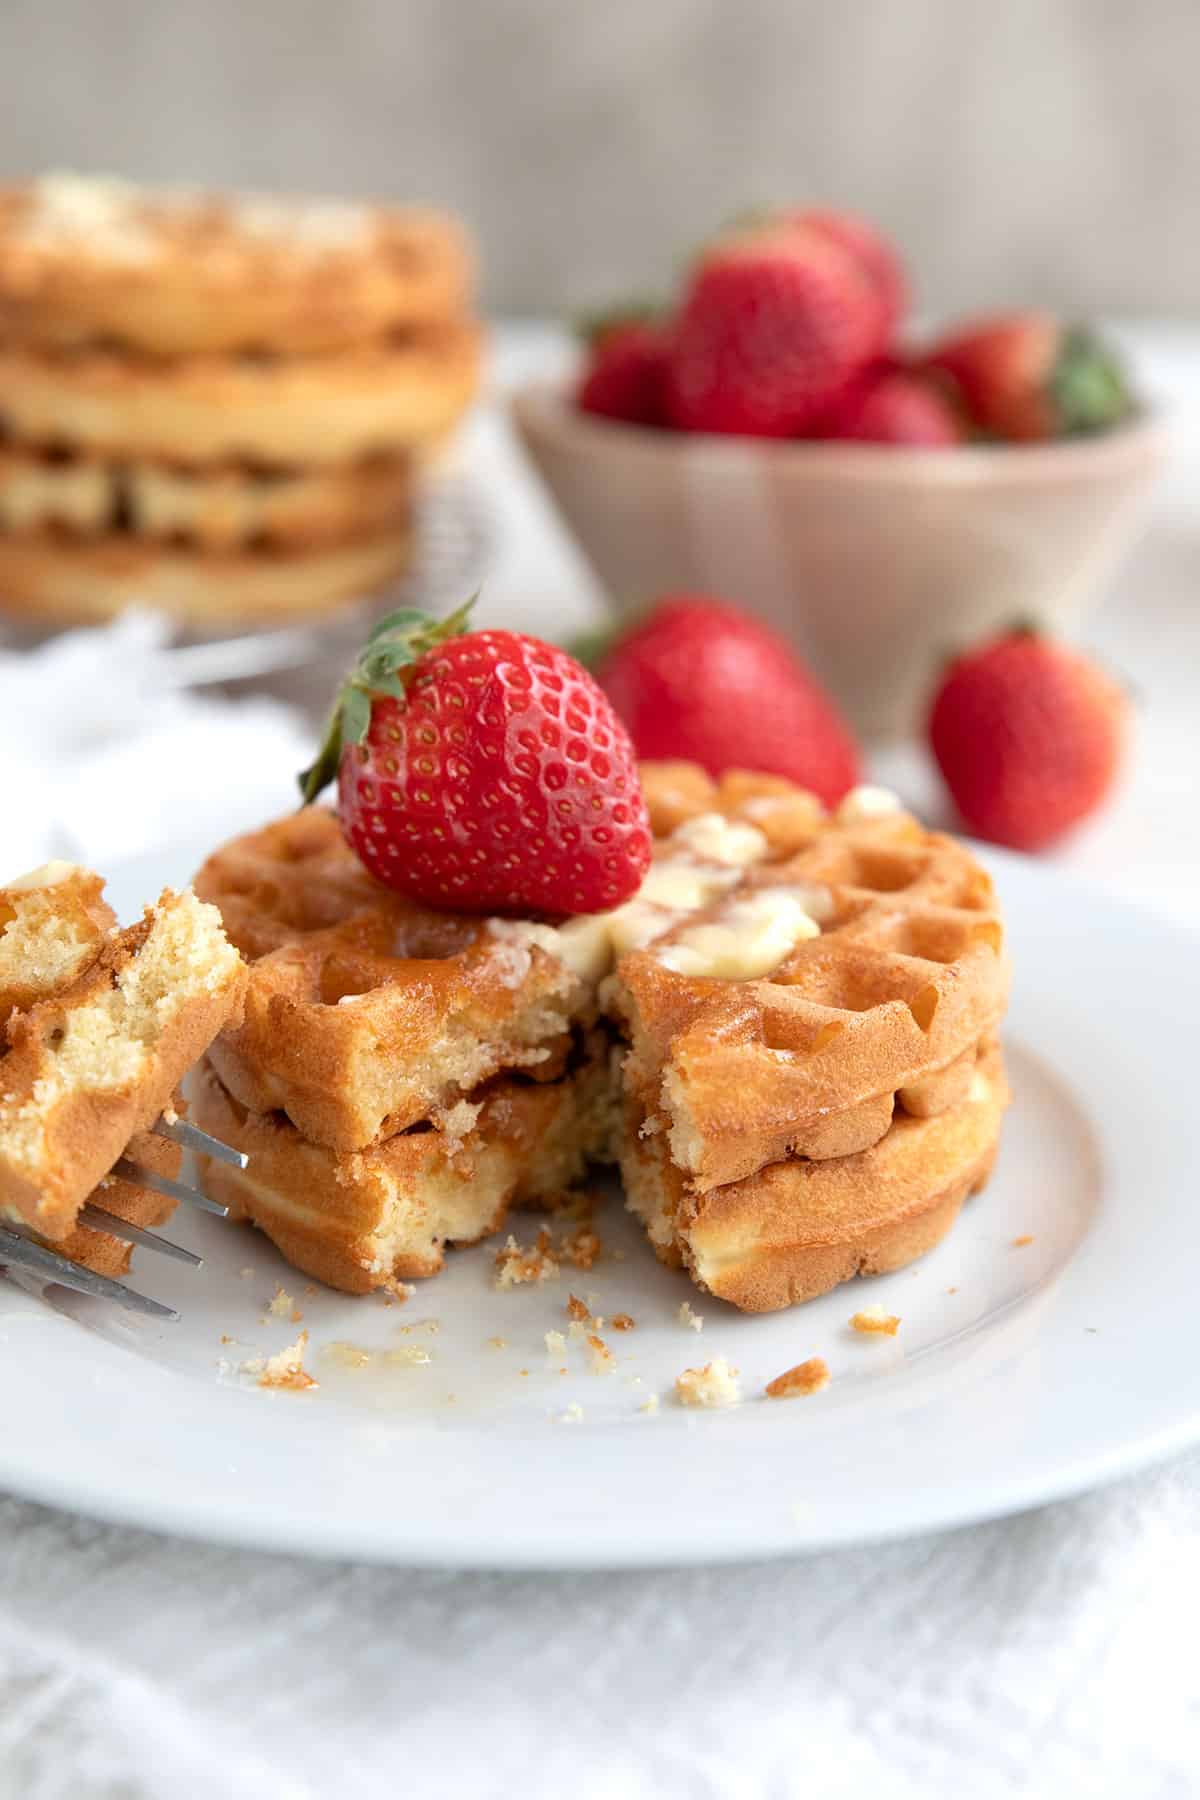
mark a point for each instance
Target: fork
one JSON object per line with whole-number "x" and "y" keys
{"x": 37, "y": 1259}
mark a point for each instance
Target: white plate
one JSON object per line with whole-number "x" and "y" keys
{"x": 1019, "y": 1374}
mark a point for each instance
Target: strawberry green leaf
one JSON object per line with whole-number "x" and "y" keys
{"x": 356, "y": 715}
{"x": 398, "y": 641}
{"x": 1089, "y": 385}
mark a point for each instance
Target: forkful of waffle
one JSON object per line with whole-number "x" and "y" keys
{"x": 98, "y": 1028}
{"x": 511, "y": 952}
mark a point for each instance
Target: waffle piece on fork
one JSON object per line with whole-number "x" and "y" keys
{"x": 99, "y": 1028}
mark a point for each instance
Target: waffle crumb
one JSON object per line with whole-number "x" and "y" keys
{"x": 286, "y": 1368}
{"x": 349, "y": 1356}
{"x": 714, "y": 1385}
{"x": 571, "y": 1415}
{"x": 398, "y": 1292}
{"x": 225, "y": 1338}
{"x": 576, "y": 1308}
{"x": 687, "y": 1317}
{"x": 952, "y": 1290}
{"x": 806, "y": 1378}
{"x": 875, "y": 1319}
{"x": 497, "y": 1343}
{"x": 649, "y": 1404}
{"x": 556, "y": 1343}
{"x": 622, "y": 1322}
{"x": 516, "y": 1267}
{"x": 600, "y": 1356}
{"x": 1019, "y": 1243}
{"x": 281, "y": 1304}
{"x": 169, "y": 1115}
{"x": 582, "y": 1248}
{"x": 577, "y": 1330}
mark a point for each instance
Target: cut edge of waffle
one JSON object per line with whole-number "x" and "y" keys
{"x": 97, "y": 1032}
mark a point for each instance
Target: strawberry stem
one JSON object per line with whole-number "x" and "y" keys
{"x": 397, "y": 641}
{"x": 1088, "y": 385}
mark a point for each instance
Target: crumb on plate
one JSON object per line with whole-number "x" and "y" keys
{"x": 713, "y": 1385}
{"x": 687, "y": 1317}
{"x": 286, "y": 1368}
{"x": 516, "y": 1267}
{"x": 806, "y": 1378}
{"x": 877, "y": 1320}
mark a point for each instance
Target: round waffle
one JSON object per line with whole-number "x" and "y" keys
{"x": 216, "y": 508}
{"x": 60, "y": 581}
{"x": 366, "y": 1012}
{"x": 904, "y": 980}
{"x": 315, "y": 410}
{"x": 88, "y": 259}
{"x": 798, "y": 1228}
{"x": 364, "y": 1219}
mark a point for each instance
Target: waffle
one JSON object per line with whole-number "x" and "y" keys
{"x": 366, "y": 1219}
{"x": 70, "y": 581}
{"x": 336, "y": 406}
{"x": 100, "y": 1250}
{"x": 220, "y": 508}
{"x": 95, "y": 1062}
{"x": 168, "y": 271}
{"x": 811, "y": 1037}
{"x": 366, "y": 1013}
{"x": 54, "y": 922}
{"x": 797, "y": 1228}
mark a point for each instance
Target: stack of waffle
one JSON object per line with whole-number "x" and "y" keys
{"x": 788, "y": 1039}
{"x": 401, "y": 1076}
{"x": 97, "y": 1029}
{"x": 218, "y": 406}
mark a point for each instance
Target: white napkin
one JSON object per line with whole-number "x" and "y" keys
{"x": 106, "y": 750}
{"x": 1046, "y": 1656}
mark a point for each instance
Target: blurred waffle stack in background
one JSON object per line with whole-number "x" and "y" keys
{"x": 220, "y": 406}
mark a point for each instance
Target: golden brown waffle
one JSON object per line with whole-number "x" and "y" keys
{"x": 221, "y": 508}
{"x": 69, "y": 581}
{"x": 364, "y": 1220}
{"x": 366, "y": 1013}
{"x": 807, "y": 1053}
{"x": 85, "y": 259}
{"x": 100, "y": 1250}
{"x": 89, "y": 1067}
{"x": 394, "y": 393}
{"x": 797, "y": 1228}
{"x": 54, "y": 922}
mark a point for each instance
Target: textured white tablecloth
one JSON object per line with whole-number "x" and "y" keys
{"x": 1049, "y": 1655}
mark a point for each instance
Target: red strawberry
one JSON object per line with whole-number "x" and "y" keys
{"x": 899, "y": 407}
{"x": 702, "y": 680}
{"x": 1027, "y": 377}
{"x": 1028, "y": 734}
{"x": 870, "y": 249}
{"x": 483, "y": 772}
{"x": 775, "y": 322}
{"x": 624, "y": 375}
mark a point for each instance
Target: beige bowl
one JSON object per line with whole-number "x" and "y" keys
{"x": 876, "y": 561}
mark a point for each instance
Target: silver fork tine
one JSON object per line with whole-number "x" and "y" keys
{"x": 164, "y": 1184}
{"x": 101, "y": 1220}
{"x": 22, "y": 1253}
{"x": 192, "y": 1138}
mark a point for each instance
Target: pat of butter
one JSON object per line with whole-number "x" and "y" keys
{"x": 684, "y": 885}
{"x": 863, "y": 803}
{"x": 750, "y": 938}
{"x": 710, "y": 837}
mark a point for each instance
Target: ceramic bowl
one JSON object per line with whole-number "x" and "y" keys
{"x": 876, "y": 561}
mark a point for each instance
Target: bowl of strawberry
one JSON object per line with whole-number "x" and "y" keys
{"x": 778, "y": 436}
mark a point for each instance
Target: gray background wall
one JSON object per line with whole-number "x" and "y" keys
{"x": 1043, "y": 149}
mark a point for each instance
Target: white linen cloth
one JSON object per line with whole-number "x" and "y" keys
{"x": 1049, "y": 1655}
